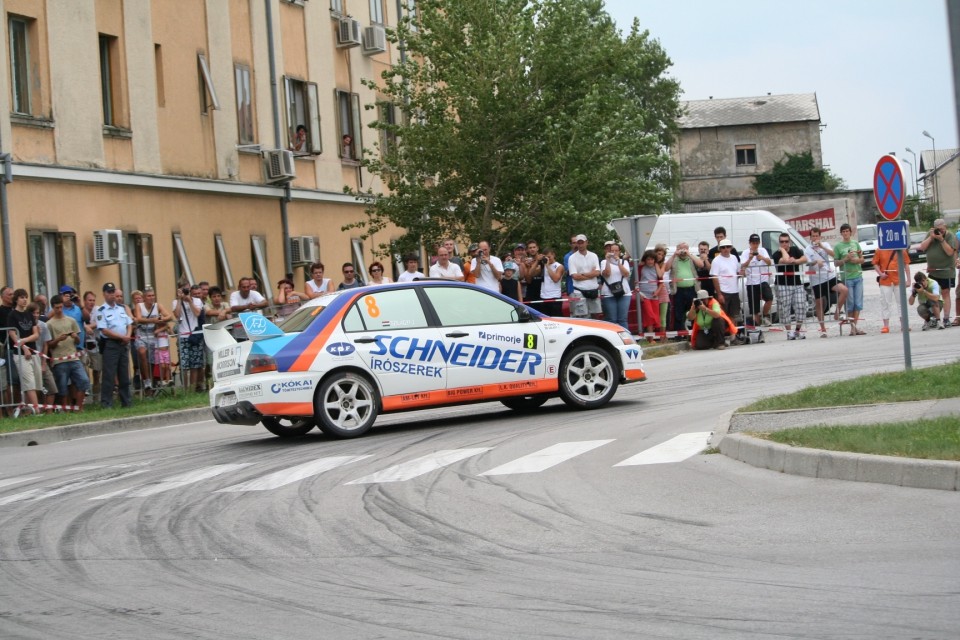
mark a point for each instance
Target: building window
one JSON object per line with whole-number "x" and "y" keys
{"x": 303, "y": 116}
{"x": 224, "y": 273}
{"x": 387, "y": 116}
{"x": 746, "y": 155}
{"x": 53, "y": 261}
{"x": 411, "y": 11}
{"x": 181, "y": 263}
{"x": 258, "y": 245}
{"x": 337, "y": 8}
{"x": 244, "y": 103}
{"x": 158, "y": 64}
{"x": 108, "y": 78}
{"x": 20, "y": 65}
{"x": 348, "y": 121}
{"x": 208, "y": 93}
{"x": 376, "y": 12}
{"x": 136, "y": 270}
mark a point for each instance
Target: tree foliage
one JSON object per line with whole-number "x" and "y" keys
{"x": 796, "y": 174}
{"x": 522, "y": 119}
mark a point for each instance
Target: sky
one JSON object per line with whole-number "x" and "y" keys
{"x": 881, "y": 69}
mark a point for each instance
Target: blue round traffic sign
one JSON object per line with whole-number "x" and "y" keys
{"x": 888, "y": 188}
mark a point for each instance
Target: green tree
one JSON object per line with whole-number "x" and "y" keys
{"x": 522, "y": 119}
{"x": 797, "y": 174}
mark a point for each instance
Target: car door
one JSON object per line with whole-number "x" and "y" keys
{"x": 490, "y": 351}
{"x": 389, "y": 331}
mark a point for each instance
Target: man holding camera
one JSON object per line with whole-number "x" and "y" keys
{"x": 683, "y": 273}
{"x": 488, "y": 269}
{"x": 710, "y": 323}
{"x": 928, "y": 292}
{"x": 941, "y": 248}
{"x": 531, "y": 272}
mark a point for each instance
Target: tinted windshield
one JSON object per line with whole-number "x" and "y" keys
{"x": 866, "y": 234}
{"x": 301, "y": 319}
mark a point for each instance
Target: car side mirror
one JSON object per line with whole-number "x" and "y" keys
{"x": 523, "y": 314}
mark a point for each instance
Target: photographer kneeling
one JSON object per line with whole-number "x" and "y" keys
{"x": 708, "y": 319}
{"x": 928, "y": 308}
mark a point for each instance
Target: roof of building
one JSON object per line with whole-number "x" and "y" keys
{"x": 727, "y": 112}
{"x": 943, "y": 157}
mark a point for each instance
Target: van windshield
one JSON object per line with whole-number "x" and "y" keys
{"x": 867, "y": 234}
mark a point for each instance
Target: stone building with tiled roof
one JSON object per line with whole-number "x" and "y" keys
{"x": 724, "y": 143}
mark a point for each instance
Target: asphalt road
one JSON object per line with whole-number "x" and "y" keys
{"x": 209, "y": 531}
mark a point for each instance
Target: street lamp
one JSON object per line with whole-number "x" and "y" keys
{"x": 913, "y": 172}
{"x": 913, "y": 166}
{"x": 936, "y": 187}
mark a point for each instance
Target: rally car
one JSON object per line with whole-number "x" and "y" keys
{"x": 344, "y": 358}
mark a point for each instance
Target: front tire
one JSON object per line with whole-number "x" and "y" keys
{"x": 588, "y": 377}
{"x": 346, "y": 405}
{"x": 524, "y": 403}
{"x": 288, "y": 428}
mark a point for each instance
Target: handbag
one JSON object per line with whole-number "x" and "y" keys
{"x": 616, "y": 288}
{"x": 590, "y": 294}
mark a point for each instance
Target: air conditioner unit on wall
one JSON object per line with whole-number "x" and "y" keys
{"x": 303, "y": 250}
{"x": 108, "y": 245}
{"x": 348, "y": 33}
{"x": 278, "y": 165}
{"x": 374, "y": 40}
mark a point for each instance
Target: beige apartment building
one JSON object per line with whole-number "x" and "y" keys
{"x": 142, "y": 146}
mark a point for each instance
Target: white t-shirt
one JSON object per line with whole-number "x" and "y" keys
{"x": 616, "y": 275}
{"x": 236, "y": 300}
{"x": 406, "y": 276}
{"x": 726, "y": 269}
{"x": 580, "y": 263}
{"x": 820, "y": 273}
{"x": 312, "y": 287}
{"x": 452, "y": 271}
{"x": 757, "y": 270}
{"x": 188, "y": 321}
{"x": 485, "y": 277}
{"x": 551, "y": 290}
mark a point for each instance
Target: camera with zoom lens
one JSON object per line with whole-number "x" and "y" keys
{"x": 185, "y": 291}
{"x": 917, "y": 286}
{"x": 543, "y": 261}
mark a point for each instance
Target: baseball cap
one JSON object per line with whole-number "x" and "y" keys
{"x": 608, "y": 243}
{"x": 725, "y": 243}
{"x": 519, "y": 245}
{"x": 473, "y": 247}
{"x": 754, "y": 238}
{"x": 509, "y": 265}
{"x": 109, "y": 287}
{"x": 67, "y": 289}
{"x": 581, "y": 237}
{"x": 703, "y": 294}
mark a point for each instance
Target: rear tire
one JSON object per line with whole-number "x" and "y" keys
{"x": 346, "y": 405}
{"x": 588, "y": 377}
{"x": 288, "y": 427}
{"x": 524, "y": 403}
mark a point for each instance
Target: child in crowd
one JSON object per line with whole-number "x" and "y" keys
{"x": 161, "y": 355}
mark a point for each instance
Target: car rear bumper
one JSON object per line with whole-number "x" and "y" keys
{"x": 243, "y": 413}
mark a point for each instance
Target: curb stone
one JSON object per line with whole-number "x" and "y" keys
{"x": 50, "y": 435}
{"x": 835, "y": 465}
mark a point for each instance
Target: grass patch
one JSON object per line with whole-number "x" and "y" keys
{"x": 932, "y": 383}
{"x": 93, "y": 412}
{"x": 932, "y": 439}
{"x": 661, "y": 350}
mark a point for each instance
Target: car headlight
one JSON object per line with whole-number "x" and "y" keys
{"x": 626, "y": 337}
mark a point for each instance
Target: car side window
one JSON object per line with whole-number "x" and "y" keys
{"x": 461, "y": 306}
{"x": 386, "y": 310}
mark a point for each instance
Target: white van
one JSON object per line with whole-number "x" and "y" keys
{"x": 673, "y": 228}
{"x": 867, "y": 237}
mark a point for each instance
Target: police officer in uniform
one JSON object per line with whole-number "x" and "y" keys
{"x": 115, "y": 328}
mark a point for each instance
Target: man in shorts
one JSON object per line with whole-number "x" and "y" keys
{"x": 823, "y": 277}
{"x": 756, "y": 266}
{"x": 927, "y": 292}
{"x": 941, "y": 248}
{"x": 584, "y": 269}
{"x": 850, "y": 257}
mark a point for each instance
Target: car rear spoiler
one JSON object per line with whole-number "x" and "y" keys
{"x": 256, "y": 327}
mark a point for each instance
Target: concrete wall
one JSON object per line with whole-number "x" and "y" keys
{"x": 708, "y": 159}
